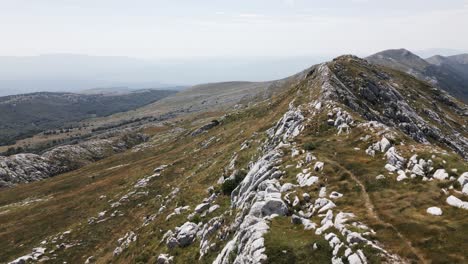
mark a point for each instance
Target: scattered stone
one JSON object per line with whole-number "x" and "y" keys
{"x": 205, "y": 128}
{"x": 309, "y": 157}
{"x": 463, "y": 179}
{"x": 401, "y": 175}
{"x": 165, "y": 259}
{"x": 202, "y": 207}
{"x": 306, "y": 179}
{"x": 465, "y": 189}
{"x": 186, "y": 234}
{"x": 296, "y": 220}
{"x": 440, "y": 174}
{"x": 335, "y": 195}
{"x": 390, "y": 167}
{"x": 213, "y": 208}
{"x": 296, "y": 201}
{"x": 323, "y": 192}
{"x": 90, "y": 260}
{"x": 318, "y": 166}
{"x": 287, "y": 187}
{"x": 454, "y": 201}
{"x": 380, "y": 177}
{"x": 434, "y": 210}
{"x": 124, "y": 242}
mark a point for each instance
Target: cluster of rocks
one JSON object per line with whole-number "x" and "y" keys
{"x": 164, "y": 259}
{"x": 419, "y": 168}
{"x": 145, "y": 180}
{"x": 47, "y": 250}
{"x": 183, "y": 235}
{"x": 35, "y": 255}
{"x": 189, "y": 232}
{"x": 165, "y": 201}
{"x": 22, "y": 168}
{"x": 124, "y": 242}
{"x": 205, "y": 128}
{"x": 381, "y": 146}
{"x": 343, "y": 120}
{"x": 258, "y": 197}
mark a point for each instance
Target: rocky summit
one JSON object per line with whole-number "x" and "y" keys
{"x": 345, "y": 162}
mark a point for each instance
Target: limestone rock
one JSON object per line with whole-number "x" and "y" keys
{"x": 441, "y": 174}
{"x": 454, "y": 201}
{"x": 202, "y": 207}
{"x": 186, "y": 234}
{"x": 318, "y": 166}
{"x": 463, "y": 179}
{"x": 164, "y": 259}
{"x": 434, "y": 210}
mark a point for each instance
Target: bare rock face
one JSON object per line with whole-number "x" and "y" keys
{"x": 375, "y": 97}
{"x": 258, "y": 196}
{"x": 22, "y": 168}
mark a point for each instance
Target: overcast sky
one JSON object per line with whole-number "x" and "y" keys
{"x": 194, "y": 28}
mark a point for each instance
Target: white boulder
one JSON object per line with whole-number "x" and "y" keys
{"x": 441, "y": 174}
{"x": 463, "y": 179}
{"x": 384, "y": 144}
{"x": 186, "y": 233}
{"x": 318, "y": 166}
{"x": 465, "y": 189}
{"x": 164, "y": 259}
{"x": 335, "y": 195}
{"x": 434, "y": 210}
{"x": 454, "y": 201}
{"x": 202, "y": 207}
{"x": 390, "y": 167}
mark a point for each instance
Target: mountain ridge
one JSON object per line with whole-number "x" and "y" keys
{"x": 445, "y": 72}
{"x": 347, "y": 162}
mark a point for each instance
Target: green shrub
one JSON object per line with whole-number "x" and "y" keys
{"x": 377, "y": 185}
{"x": 228, "y": 186}
{"x": 309, "y": 146}
{"x": 456, "y": 185}
{"x": 196, "y": 219}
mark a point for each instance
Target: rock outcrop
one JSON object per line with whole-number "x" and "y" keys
{"x": 22, "y": 168}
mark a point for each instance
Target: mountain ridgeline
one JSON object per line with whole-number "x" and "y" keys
{"x": 345, "y": 162}
{"x": 448, "y": 73}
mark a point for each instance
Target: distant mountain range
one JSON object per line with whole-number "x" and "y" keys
{"x": 448, "y": 73}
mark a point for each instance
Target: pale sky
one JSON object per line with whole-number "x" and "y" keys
{"x": 197, "y": 28}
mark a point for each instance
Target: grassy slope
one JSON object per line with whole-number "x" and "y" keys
{"x": 74, "y": 197}
{"x": 399, "y": 208}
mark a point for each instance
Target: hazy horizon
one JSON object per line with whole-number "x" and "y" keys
{"x": 209, "y": 28}
{"x": 181, "y": 42}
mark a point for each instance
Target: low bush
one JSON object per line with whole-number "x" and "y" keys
{"x": 309, "y": 146}
{"x": 230, "y": 184}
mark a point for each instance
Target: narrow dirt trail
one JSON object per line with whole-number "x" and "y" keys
{"x": 371, "y": 211}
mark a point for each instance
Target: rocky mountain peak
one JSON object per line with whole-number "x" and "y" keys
{"x": 420, "y": 111}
